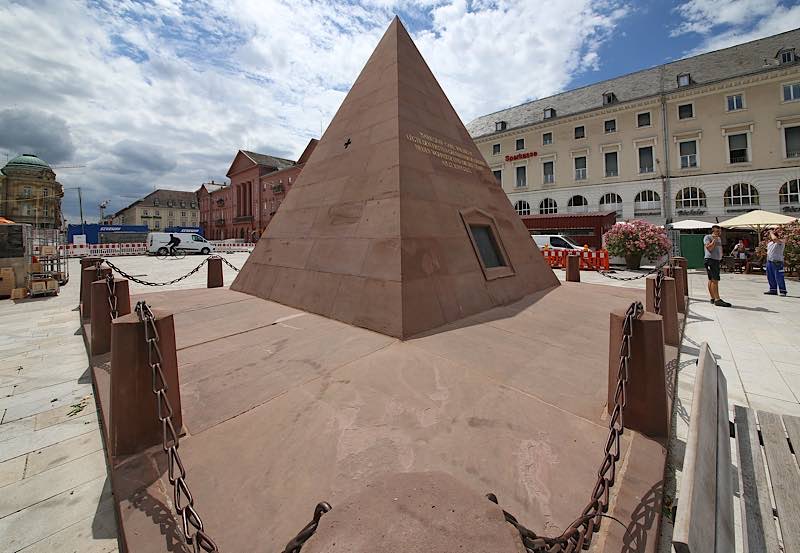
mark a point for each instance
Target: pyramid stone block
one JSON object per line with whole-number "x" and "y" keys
{"x": 396, "y": 223}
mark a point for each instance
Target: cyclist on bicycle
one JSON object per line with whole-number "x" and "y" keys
{"x": 173, "y": 243}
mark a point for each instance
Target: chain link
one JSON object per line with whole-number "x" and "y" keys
{"x": 578, "y": 534}
{"x": 607, "y": 273}
{"x": 226, "y": 262}
{"x": 123, "y": 274}
{"x": 193, "y": 530}
{"x": 112, "y": 296}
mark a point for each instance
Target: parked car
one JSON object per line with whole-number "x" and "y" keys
{"x": 190, "y": 243}
{"x": 554, "y": 241}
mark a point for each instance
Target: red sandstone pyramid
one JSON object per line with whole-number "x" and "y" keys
{"x": 396, "y": 223}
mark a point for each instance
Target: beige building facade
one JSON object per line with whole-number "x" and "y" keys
{"x": 706, "y": 138}
{"x": 160, "y": 210}
{"x": 30, "y": 193}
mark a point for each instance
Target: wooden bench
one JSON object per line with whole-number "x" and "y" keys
{"x": 704, "y": 518}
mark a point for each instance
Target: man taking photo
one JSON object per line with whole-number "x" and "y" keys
{"x": 712, "y": 244}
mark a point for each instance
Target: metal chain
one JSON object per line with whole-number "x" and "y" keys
{"x": 112, "y": 296}
{"x": 657, "y": 291}
{"x": 578, "y": 535}
{"x": 607, "y": 274}
{"x": 302, "y": 537}
{"x": 226, "y": 262}
{"x": 184, "y": 501}
{"x": 147, "y": 283}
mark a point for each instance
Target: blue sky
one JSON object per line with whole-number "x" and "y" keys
{"x": 162, "y": 93}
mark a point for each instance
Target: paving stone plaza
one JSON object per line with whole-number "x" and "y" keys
{"x": 54, "y": 492}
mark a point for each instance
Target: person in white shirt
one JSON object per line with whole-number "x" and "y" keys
{"x": 775, "y": 274}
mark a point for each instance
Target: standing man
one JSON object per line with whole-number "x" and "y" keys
{"x": 775, "y": 274}
{"x": 712, "y": 244}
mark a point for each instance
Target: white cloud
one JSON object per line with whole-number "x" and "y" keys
{"x": 163, "y": 93}
{"x": 724, "y": 23}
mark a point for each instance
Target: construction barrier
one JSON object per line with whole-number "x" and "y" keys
{"x": 589, "y": 260}
{"x": 135, "y": 248}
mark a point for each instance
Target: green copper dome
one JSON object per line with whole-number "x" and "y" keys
{"x": 27, "y": 160}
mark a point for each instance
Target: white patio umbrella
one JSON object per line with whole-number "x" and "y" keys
{"x": 757, "y": 221}
{"x": 691, "y": 224}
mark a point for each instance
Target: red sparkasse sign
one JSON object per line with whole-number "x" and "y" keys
{"x": 523, "y": 155}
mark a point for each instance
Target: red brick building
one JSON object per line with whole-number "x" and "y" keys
{"x": 258, "y": 185}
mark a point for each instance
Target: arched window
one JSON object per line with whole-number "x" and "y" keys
{"x": 548, "y": 206}
{"x": 611, "y": 202}
{"x": 740, "y": 195}
{"x": 690, "y": 197}
{"x": 522, "y": 207}
{"x": 577, "y": 204}
{"x": 790, "y": 192}
{"x": 647, "y": 202}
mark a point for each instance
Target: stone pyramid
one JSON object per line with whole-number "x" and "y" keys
{"x": 396, "y": 223}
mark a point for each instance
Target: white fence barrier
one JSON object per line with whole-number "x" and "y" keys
{"x": 136, "y": 248}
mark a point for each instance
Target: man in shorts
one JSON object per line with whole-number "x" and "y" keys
{"x": 712, "y": 248}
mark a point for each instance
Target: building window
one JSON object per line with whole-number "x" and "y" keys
{"x": 45, "y": 192}
{"x": 183, "y": 214}
{"x": 740, "y": 194}
{"x": 548, "y": 206}
{"x": 500, "y": 125}
{"x": 609, "y": 98}
{"x": 688, "y": 153}
{"x": 643, "y": 119}
{"x": 145, "y": 212}
{"x": 612, "y": 166}
{"x": 577, "y": 204}
{"x": 495, "y": 149}
{"x": 690, "y": 197}
{"x": 157, "y": 213}
{"x": 580, "y": 132}
{"x": 791, "y": 92}
{"x": 792, "y": 136}
{"x": 522, "y": 176}
{"x": 647, "y": 202}
{"x": 520, "y": 144}
{"x": 684, "y": 79}
{"x": 156, "y": 201}
{"x": 27, "y": 192}
{"x": 685, "y": 111}
{"x": 549, "y": 113}
{"x": 610, "y": 126}
{"x": 192, "y": 205}
{"x": 522, "y": 207}
{"x": 735, "y": 102}
{"x": 790, "y": 192}
{"x": 787, "y": 56}
{"x": 157, "y": 224}
{"x": 498, "y": 175}
{"x": 547, "y": 138}
{"x": 611, "y": 202}
{"x": 646, "y": 164}
{"x": 737, "y": 148}
{"x": 548, "y": 169}
{"x": 580, "y": 168}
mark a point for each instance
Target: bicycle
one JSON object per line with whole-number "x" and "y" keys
{"x": 164, "y": 253}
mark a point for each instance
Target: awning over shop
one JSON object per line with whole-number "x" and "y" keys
{"x": 757, "y": 220}
{"x": 691, "y": 224}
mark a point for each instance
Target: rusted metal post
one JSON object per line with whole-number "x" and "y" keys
{"x": 101, "y": 312}
{"x": 680, "y": 284}
{"x": 87, "y": 262}
{"x": 214, "y": 275}
{"x": 669, "y": 307}
{"x": 647, "y": 407}
{"x": 88, "y": 276}
{"x": 573, "y": 268}
{"x": 134, "y": 424}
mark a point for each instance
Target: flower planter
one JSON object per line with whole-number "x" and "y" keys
{"x": 633, "y": 260}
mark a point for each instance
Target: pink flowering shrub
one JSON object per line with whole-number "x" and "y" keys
{"x": 637, "y": 237}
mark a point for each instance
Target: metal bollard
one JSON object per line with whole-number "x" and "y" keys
{"x": 669, "y": 307}
{"x": 647, "y": 404}
{"x": 87, "y": 262}
{"x": 134, "y": 424}
{"x": 101, "y": 312}
{"x": 214, "y": 275}
{"x": 573, "y": 268}
{"x": 88, "y": 276}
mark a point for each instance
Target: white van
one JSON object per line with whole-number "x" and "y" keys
{"x": 190, "y": 243}
{"x": 554, "y": 241}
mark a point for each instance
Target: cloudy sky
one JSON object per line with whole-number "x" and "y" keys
{"x": 162, "y": 93}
